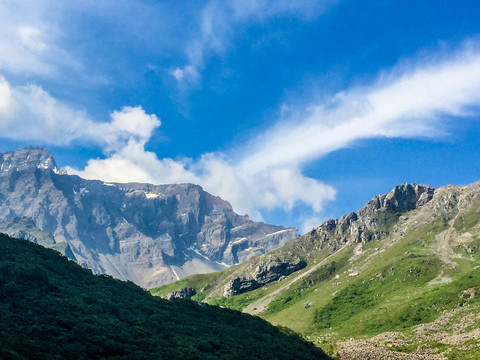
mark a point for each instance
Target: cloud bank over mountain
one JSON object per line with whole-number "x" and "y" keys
{"x": 267, "y": 174}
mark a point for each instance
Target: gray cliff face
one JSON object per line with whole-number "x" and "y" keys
{"x": 24, "y": 228}
{"x": 185, "y": 293}
{"x": 149, "y": 234}
{"x": 263, "y": 274}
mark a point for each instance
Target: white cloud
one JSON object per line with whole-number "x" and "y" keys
{"x": 6, "y": 100}
{"x": 29, "y": 113}
{"x": 31, "y": 37}
{"x": 134, "y": 121}
{"x": 130, "y": 125}
{"x": 187, "y": 72}
{"x": 407, "y": 102}
{"x": 178, "y": 74}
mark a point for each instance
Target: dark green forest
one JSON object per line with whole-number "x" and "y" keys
{"x": 51, "y": 308}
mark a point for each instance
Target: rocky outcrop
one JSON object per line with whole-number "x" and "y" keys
{"x": 401, "y": 199}
{"x": 149, "y": 234}
{"x": 263, "y": 274}
{"x": 185, "y": 293}
{"x": 30, "y": 158}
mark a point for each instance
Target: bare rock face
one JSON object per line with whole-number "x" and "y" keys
{"x": 401, "y": 199}
{"x": 263, "y": 274}
{"x": 149, "y": 234}
{"x": 24, "y": 159}
{"x": 185, "y": 293}
{"x": 372, "y": 222}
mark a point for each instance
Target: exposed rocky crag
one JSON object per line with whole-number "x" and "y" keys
{"x": 185, "y": 293}
{"x": 263, "y": 274}
{"x": 149, "y": 234}
{"x": 372, "y": 222}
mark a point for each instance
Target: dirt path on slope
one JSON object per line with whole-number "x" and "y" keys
{"x": 260, "y": 305}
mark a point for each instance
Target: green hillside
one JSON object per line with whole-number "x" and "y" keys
{"x": 51, "y": 308}
{"x": 400, "y": 279}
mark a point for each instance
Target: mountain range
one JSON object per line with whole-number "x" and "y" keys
{"x": 149, "y": 234}
{"x": 399, "y": 279}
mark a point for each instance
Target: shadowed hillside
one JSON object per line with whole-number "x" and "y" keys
{"x": 51, "y": 308}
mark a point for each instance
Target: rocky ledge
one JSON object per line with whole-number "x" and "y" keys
{"x": 264, "y": 273}
{"x": 185, "y": 293}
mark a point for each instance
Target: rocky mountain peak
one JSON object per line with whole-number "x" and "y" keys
{"x": 402, "y": 198}
{"x": 372, "y": 221}
{"x": 27, "y": 158}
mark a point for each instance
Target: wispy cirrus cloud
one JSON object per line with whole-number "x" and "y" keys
{"x": 28, "y": 112}
{"x": 32, "y": 41}
{"x": 408, "y": 101}
{"x": 219, "y": 20}
{"x": 57, "y": 41}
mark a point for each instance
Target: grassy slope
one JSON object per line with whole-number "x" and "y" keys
{"x": 209, "y": 286}
{"x": 400, "y": 288}
{"x": 51, "y": 308}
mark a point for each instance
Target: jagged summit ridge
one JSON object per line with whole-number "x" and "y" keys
{"x": 402, "y": 198}
{"x": 372, "y": 220}
{"x": 27, "y": 158}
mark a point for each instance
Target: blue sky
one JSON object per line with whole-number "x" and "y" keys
{"x": 294, "y": 111}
